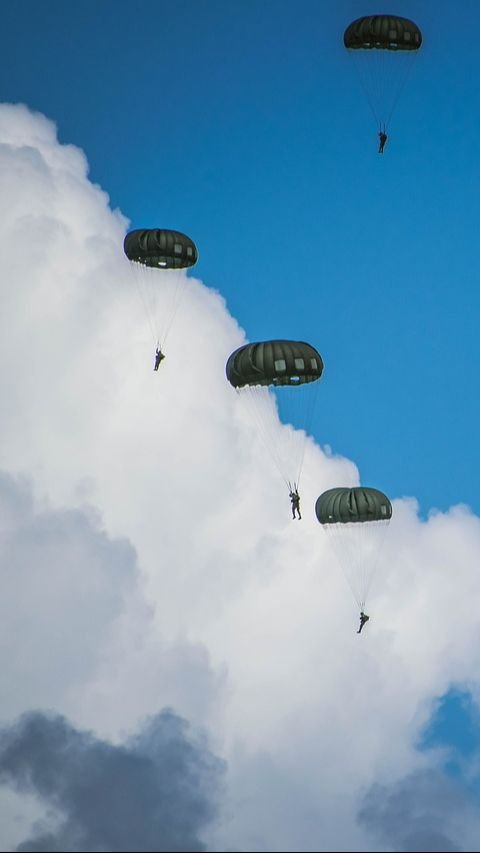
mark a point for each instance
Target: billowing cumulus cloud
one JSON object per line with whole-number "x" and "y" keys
{"x": 67, "y": 592}
{"x": 209, "y": 598}
{"x": 156, "y": 791}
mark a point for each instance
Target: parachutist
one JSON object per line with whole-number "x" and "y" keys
{"x": 363, "y": 620}
{"x": 343, "y": 512}
{"x": 382, "y": 136}
{"x": 290, "y": 369}
{"x": 151, "y": 252}
{"x": 378, "y": 42}
{"x": 295, "y": 499}
{"x": 158, "y": 358}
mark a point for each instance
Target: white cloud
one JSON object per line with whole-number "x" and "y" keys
{"x": 63, "y": 583}
{"x": 225, "y": 609}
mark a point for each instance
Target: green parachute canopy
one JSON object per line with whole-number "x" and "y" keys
{"x": 154, "y": 252}
{"x": 355, "y": 521}
{"x": 274, "y": 363}
{"x": 278, "y": 380}
{"x": 383, "y": 48}
{"x": 158, "y": 247}
{"x": 382, "y": 32}
{"x": 343, "y": 506}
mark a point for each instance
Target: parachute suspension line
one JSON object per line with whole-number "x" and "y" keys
{"x": 280, "y": 452}
{"x": 383, "y": 78}
{"x": 296, "y": 407}
{"x": 410, "y": 60}
{"x": 264, "y": 412}
{"x": 370, "y": 575}
{"x": 385, "y": 82}
{"x": 310, "y": 406}
{"x": 383, "y": 75}
{"x": 364, "y": 86}
{"x": 138, "y": 277}
{"x": 398, "y": 69}
{"x": 161, "y": 304}
{"x": 349, "y": 579}
{"x": 311, "y": 398}
{"x": 387, "y": 68}
{"x": 357, "y": 548}
{"x": 178, "y": 295}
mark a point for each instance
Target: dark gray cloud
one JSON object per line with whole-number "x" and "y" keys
{"x": 155, "y": 792}
{"x": 425, "y": 811}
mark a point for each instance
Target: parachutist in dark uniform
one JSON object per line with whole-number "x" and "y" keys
{"x": 363, "y": 619}
{"x": 382, "y": 136}
{"x": 158, "y": 358}
{"x": 295, "y": 499}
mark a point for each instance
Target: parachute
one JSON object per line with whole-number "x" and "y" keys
{"x": 356, "y": 521}
{"x": 274, "y": 379}
{"x": 152, "y": 251}
{"x": 383, "y": 48}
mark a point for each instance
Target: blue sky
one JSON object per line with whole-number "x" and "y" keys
{"x": 244, "y": 125}
{"x": 455, "y": 723}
